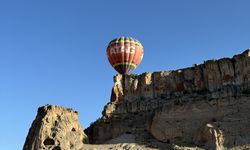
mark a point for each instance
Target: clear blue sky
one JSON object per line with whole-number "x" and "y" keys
{"x": 53, "y": 51}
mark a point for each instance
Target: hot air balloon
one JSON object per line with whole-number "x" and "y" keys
{"x": 124, "y": 54}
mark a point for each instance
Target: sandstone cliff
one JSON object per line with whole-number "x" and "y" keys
{"x": 207, "y": 105}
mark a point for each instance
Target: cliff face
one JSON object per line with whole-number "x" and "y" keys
{"x": 206, "y": 105}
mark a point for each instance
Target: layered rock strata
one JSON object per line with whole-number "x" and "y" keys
{"x": 207, "y": 105}
{"x": 55, "y": 128}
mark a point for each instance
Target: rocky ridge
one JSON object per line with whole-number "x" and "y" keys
{"x": 206, "y": 106}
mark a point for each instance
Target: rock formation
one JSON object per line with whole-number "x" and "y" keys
{"x": 55, "y": 128}
{"x": 207, "y": 105}
{"x": 211, "y": 136}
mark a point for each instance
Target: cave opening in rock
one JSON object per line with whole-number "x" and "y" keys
{"x": 49, "y": 141}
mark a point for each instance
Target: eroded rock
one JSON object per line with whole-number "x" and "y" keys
{"x": 173, "y": 106}
{"x": 206, "y": 106}
{"x": 212, "y": 137}
{"x": 55, "y": 128}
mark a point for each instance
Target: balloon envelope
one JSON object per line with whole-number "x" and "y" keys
{"x": 124, "y": 54}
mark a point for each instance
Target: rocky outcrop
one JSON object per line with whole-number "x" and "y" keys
{"x": 210, "y": 77}
{"x": 212, "y": 137}
{"x": 207, "y": 105}
{"x": 55, "y": 128}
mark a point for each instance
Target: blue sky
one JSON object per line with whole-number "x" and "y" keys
{"x": 53, "y": 52}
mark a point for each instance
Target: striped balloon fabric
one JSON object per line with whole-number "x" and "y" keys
{"x": 124, "y": 54}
